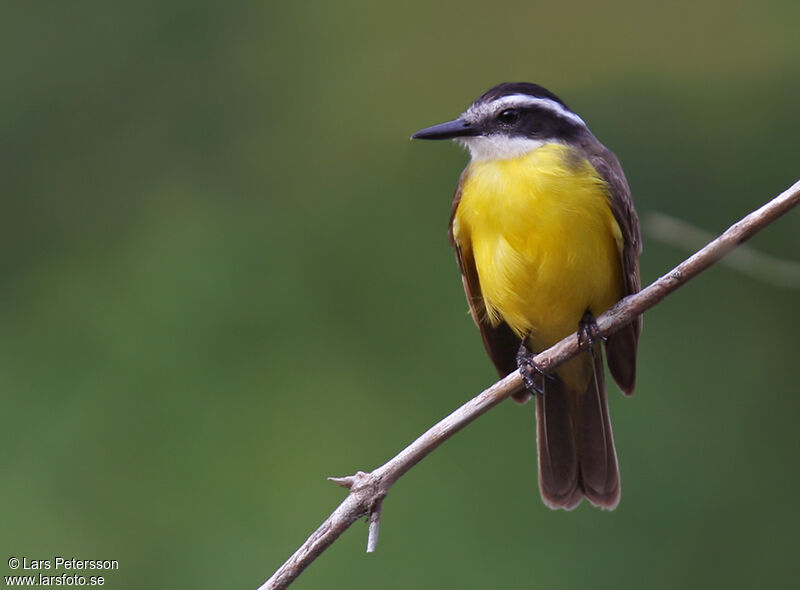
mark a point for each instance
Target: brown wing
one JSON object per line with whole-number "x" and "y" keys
{"x": 500, "y": 341}
{"x": 622, "y": 345}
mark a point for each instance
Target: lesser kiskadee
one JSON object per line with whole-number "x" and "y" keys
{"x": 547, "y": 238}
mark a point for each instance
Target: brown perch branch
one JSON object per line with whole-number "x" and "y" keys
{"x": 367, "y": 490}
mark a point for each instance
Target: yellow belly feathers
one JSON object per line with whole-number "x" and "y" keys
{"x": 544, "y": 240}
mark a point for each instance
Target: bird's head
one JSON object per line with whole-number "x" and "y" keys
{"x": 510, "y": 120}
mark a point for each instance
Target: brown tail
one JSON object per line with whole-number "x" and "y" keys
{"x": 576, "y": 446}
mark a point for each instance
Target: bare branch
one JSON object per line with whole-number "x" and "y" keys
{"x": 746, "y": 260}
{"x": 367, "y": 490}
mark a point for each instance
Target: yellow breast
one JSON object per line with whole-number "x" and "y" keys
{"x": 544, "y": 240}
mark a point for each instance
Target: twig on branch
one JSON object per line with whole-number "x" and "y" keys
{"x": 367, "y": 490}
{"x": 374, "y": 526}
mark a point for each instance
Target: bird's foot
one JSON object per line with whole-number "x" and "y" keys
{"x": 532, "y": 374}
{"x": 589, "y": 331}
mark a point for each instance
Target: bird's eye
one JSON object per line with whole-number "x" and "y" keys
{"x": 508, "y": 116}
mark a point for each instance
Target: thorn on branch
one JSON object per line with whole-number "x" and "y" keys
{"x": 357, "y": 482}
{"x": 346, "y": 481}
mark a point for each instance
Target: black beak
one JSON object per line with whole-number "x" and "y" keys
{"x": 449, "y": 130}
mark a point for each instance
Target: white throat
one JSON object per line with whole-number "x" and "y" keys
{"x": 484, "y": 148}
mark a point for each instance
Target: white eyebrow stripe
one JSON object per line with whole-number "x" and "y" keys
{"x": 480, "y": 111}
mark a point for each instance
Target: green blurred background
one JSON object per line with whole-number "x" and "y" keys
{"x": 226, "y": 276}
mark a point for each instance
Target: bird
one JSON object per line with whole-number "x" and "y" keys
{"x": 547, "y": 238}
